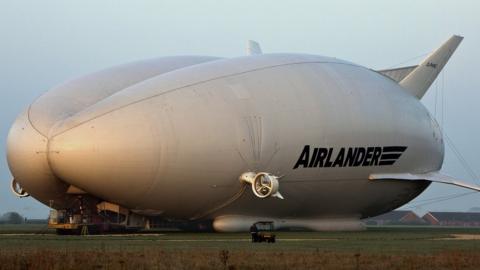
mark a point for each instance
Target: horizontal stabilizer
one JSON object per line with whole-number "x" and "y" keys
{"x": 419, "y": 80}
{"x": 397, "y": 74}
{"x": 435, "y": 177}
{"x": 253, "y": 48}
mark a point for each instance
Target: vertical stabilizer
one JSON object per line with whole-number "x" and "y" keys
{"x": 420, "y": 79}
{"x": 253, "y": 48}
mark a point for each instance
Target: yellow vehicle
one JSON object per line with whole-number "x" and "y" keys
{"x": 262, "y": 231}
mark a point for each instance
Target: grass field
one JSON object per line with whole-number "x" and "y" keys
{"x": 376, "y": 248}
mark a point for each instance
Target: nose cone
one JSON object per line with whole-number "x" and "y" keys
{"x": 27, "y": 160}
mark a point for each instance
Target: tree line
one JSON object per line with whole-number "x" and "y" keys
{"x": 16, "y": 218}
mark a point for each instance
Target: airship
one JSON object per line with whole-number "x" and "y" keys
{"x": 300, "y": 140}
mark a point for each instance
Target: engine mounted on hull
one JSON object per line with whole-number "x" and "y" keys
{"x": 263, "y": 184}
{"x": 18, "y": 190}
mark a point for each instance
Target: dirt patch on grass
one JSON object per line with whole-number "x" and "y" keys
{"x": 461, "y": 237}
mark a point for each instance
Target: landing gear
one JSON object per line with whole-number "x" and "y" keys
{"x": 89, "y": 216}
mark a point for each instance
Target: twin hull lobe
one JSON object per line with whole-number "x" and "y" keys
{"x": 178, "y": 143}
{"x": 28, "y": 140}
{"x": 27, "y": 155}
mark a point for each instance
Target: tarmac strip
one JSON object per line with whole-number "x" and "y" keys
{"x": 242, "y": 240}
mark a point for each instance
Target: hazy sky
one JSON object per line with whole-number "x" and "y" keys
{"x": 43, "y": 43}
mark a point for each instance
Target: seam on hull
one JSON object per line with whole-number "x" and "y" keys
{"x": 197, "y": 83}
{"x": 31, "y": 123}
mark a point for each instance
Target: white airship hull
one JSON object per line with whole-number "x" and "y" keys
{"x": 175, "y": 143}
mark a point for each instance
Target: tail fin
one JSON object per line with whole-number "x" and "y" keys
{"x": 253, "y": 48}
{"x": 419, "y": 80}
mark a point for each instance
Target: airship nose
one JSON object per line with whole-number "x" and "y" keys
{"x": 27, "y": 160}
{"x": 108, "y": 157}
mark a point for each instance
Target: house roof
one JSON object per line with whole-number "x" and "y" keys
{"x": 393, "y": 215}
{"x": 456, "y": 216}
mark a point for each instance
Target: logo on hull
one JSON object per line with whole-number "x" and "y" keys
{"x": 317, "y": 157}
